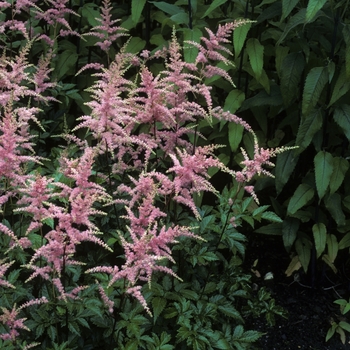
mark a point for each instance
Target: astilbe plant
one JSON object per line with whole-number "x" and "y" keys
{"x": 143, "y": 125}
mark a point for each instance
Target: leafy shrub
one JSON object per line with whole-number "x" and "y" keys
{"x": 109, "y": 197}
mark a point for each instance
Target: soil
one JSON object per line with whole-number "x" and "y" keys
{"x": 308, "y": 299}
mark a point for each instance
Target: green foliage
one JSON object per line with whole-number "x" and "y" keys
{"x": 342, "y": 326}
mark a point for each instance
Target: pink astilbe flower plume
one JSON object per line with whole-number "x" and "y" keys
{"x": 73, "y": 225}
{"x": 107, "y": 32}
{"x": 191, "y": 174}
{"x": 10, "y": 320}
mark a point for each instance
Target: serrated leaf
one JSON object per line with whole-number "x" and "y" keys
{"x": 332, "y": 245}
{"x": 312, "y": 8}
{"x": 346, "y": 37}
{"x": 291, "y": 72}
{"x": 271, "y": 216}
{"x": 342, "y": 86}
{"x": 230, "y": 311}
{"x": 285, "y": 165}
{"x": 308, "y": 128}
{"x": 323, "y": 162}
{"x": 136, "y": 9}
{"x": 66, "y": 60}
{"x": 214, "y": 4}
{"x": 333, "y": 205}
{"x": 290, "y": 228}
{"x": 301, "y": 196}
{"x": 255, "y": 53}
{"x": 158, "y": 305}
{"x": 74, "y": 328}
{"x": 303, "y": 248}
{"x": 342, "y": 118}
{"x": 234, "y": 100}
{"x": 239, "y": 37}
{"x": 340, "y": 167}
{"x": 315, "y": 81}
{"x": 293, "y": 22}
{"x": 287, "y": 7}
{"x": 320, "y": 236}
{"x": 345, "y": 241}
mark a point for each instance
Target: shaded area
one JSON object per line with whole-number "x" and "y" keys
{"x": 310, "y": 309}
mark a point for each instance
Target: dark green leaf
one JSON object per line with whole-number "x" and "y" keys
{"x": 323, "y": 162}
{"x": 285, "y": 165}
{"x": 345, "y": 241}
{"x": 214, "y": 4}
{"x": 332, "y": 245}
{"x": 312, "y": 8}
{"x": 291, "y": 72}
{"x": 271, "y": 229}
{"x": 297, "y": 19}
{"x": 308, "y": 128}
{"x": 333, "y": 204}
{"x": 136, "y": 9}
{"x": 167, "y": 8}
{"x": 287, "y": 7}
{"x": 289, "y": 232}
{"x": 190, "y": 51}
{"x": 301, "y": 196}
{"x": 320, "y": 236}
{"x": 303, "y": 248}
{"x": 255, "y": 52}
{"x": 315, "y": 81}
{"x": 239, "y": 37}
{"x": 342, "y": 118}
{"x": 340, "y": 167}
{"x": 342, "y": 86}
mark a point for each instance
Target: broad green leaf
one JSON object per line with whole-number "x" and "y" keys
{"x": 66, "y": 60}
{"x": 301, "y": 196}
{"x": 180, "y": 18}
{"x": 323, "y": 162}
{"x": 342, "y": 86}
{"x": 291, "y": 71}
{"x": 274, "y": 229}
{"x": 297, "y": 19}
{"x": 345, "y": 241}
{"x": 346, "y": 37}
{"x": 340, "y": 167}
{"x": 320, "y": 236}
{"x": 255, "y": 52}
{"x": 308, "y": 128}
{"x": 167, "y": 8}
{"x": 275, "y": 10}
{"x": 135, "y": 45}
{"x": 158, "y": 305}
{"x": 342, "y": 118}
{"x": 285, "y": 165}
{"x": 263, "y": 98}
{"x": 235, "y": 134}
{"x": 234, "y": 100}
{"x": 315, "y": 81}
{"x": 332, "y": 245}
{"x": 346, "y": 202}
{"x": 271, "y": 216}
{"x": 303, "y": 248}
{"x": 214, "y": 4}
{"x": 289, "y": 232}
{"x": 312, "y": 8}
{"x": 281, "y": 53}
{"x": 239, "y": 37}
{"x": 287, "y": 7}
{"x": 190, "y": 51}
{"x": 91, "y": 13}
{"x": 136, "y": 9}
{"x": 333, "y": 205}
